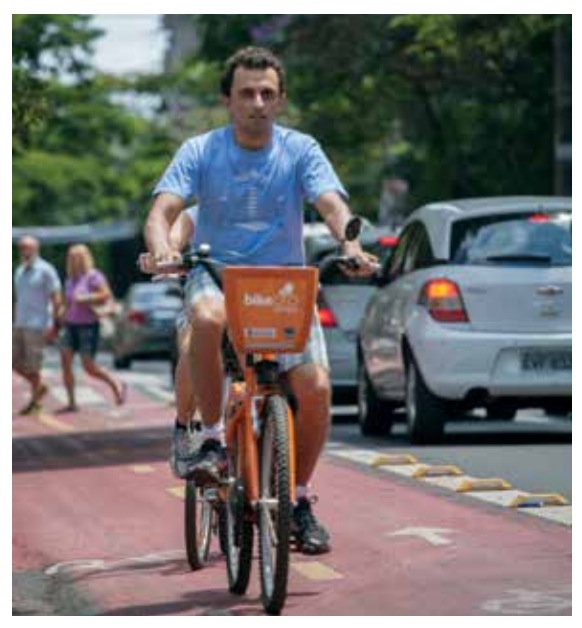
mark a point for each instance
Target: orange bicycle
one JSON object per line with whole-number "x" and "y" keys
{"x": 269, "y": 312}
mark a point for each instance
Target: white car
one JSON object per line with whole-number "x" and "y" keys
{"x": 474, "y": 310}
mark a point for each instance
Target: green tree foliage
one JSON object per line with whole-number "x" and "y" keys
{"x": 459, "y": 105}
{"x": 77, "y": 156}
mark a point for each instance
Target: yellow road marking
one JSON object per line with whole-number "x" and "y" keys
{"x": 315, "y": 570}
{"x": 55, "y": 424}
{"x": 177, "y": 491}
{"x": 112, "y": 451}
{"x": 436, "y": 470}
{"x": 483, "y": 484}
{"x": 539, "y": 500}
{"x": 383, "y": 460}
{"x": 142, "y": 468}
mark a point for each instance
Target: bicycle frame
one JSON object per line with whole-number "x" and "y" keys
{"x": 240, "y": 428}
{"x": 269, "y": 311}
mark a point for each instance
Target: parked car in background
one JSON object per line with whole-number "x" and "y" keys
{"x": 341, "y": 303}
{"x": 474, "y": 310}
{"x": 145, "y": 326}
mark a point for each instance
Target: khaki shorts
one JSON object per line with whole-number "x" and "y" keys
{"x": 27, "y": 349}
{"x": 201, "y": 285}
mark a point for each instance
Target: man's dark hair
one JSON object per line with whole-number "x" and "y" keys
{"x": 251, "y": 58}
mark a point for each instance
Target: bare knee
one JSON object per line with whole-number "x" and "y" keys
{"x": 312, "y": 389}
{"x": 89, "y": 366}
{"x": 207, "y": 317}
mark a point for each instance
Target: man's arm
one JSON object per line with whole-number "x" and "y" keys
{"x": 57, "y": 310}
{"x": 162, "y": 216}
{"x": 336, "y": 214}
{"x": 181, "y": 232}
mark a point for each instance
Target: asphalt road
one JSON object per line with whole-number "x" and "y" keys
{"x": 533, "y": 452}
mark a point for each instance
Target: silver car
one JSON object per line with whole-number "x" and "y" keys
{"x": 145, "y": 327}
{"x": 474, "y": 310}
{"x": 341, "y": 303}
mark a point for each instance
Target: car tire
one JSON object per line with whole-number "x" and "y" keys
{"x": 426, "y": 413}
{"x": 374, "y": 414}
{"x": 559, "y": 407}
{"x": 122, "y": 364}
{"x": 500, "y": 411}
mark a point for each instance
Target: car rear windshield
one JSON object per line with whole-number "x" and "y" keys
{"x": 533, "y": 238}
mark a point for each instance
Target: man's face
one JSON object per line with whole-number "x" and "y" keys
{"x": 28, "y": 248}
{"x": 255, "y": 100}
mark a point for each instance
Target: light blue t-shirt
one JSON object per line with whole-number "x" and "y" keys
{"x": 192, "y": 213}
{"x": 34, "y": 285}
{"x": 251, "y": 202}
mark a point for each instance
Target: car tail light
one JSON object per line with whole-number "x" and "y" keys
{"x": 388, "y": 240}
{"x": 326, "y": 316}
{"x": 442, "y": 298}
{"x": 539, "y": 218}
{"x": 136, "y": 317}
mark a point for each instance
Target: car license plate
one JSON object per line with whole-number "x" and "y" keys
{"x": 546, "y": 360}
{"x": 163, "y": 315}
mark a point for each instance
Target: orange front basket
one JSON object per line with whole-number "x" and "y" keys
{"x": 269, "y": 308}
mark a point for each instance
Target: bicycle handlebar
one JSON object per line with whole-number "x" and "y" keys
{"x": 349, "y": 262}
{"x": 201, "y": 255}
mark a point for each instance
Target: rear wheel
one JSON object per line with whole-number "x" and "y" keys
{"x": 426, "y": 413}
{"x": 198, "y": 522}
{"x": 236, "y": 531}
{"x": 274, "y": 515}
{"x": 374, "y": 414}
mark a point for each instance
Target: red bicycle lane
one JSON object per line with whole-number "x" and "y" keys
{"x": 97, "y": 512}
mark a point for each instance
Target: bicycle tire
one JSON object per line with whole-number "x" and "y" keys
{"x": 198, "y": 516}
{"x": 237, "y": 533}
{"x": 275, "y": 507}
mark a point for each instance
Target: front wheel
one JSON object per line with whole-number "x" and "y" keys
{"x": 274, "y": 514}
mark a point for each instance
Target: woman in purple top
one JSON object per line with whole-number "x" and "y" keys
{"x": 85, "y": 288}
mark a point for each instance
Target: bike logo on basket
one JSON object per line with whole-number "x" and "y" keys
{"x": 285, "y": 297}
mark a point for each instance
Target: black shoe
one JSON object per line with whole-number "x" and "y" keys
{"x": 32, "y": 408}
{"x": 309, "y": 535}
{"x": 209, "y": 463}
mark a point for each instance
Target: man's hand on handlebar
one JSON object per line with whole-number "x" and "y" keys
{"x": 361, "y": 263}
{"x": 151, "y": 264}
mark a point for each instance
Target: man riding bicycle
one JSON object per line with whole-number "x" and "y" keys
{"x": 249, "y": 179}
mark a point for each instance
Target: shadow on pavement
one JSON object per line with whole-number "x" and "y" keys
{"x": 90, "y": 449}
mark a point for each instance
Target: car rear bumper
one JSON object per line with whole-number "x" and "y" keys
{"x": 457, "y": 362}
{"x": 147, "y": 343}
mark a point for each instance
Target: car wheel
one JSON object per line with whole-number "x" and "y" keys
{"x": 122, "y": 363}
{"x": 501, "y": 411}
{"x": 374, "y": 414}
{"x": 426, "y": 413}
{"x": 559, "y": 407}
